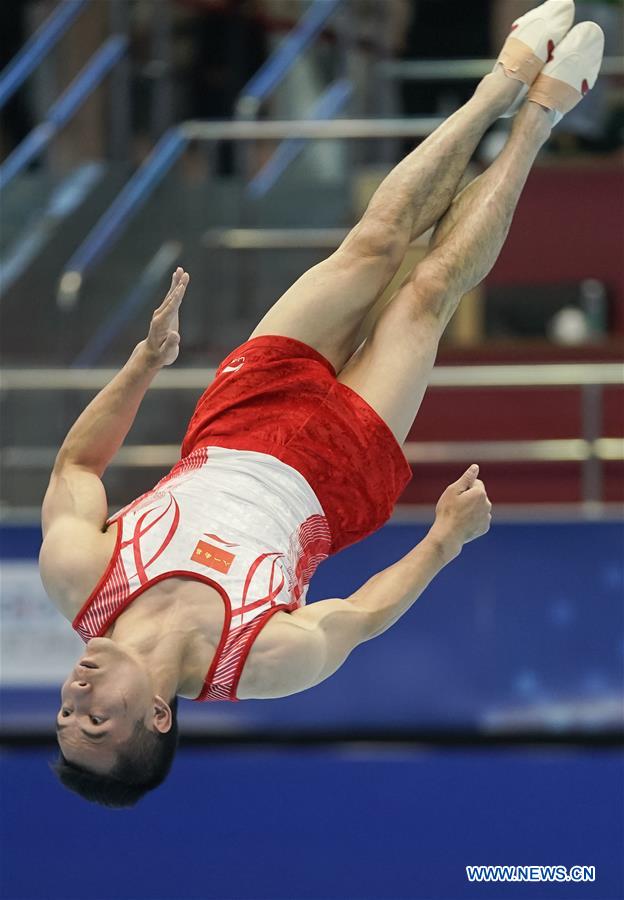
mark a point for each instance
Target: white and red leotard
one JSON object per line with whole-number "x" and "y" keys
{"x": 243, "y": 522}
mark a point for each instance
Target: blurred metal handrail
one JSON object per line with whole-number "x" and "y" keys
{"x": 469, "y": 376}
{"x": 64, "y": 108}
{"x": 42, "y": 224}
{"x": 460, "y": 69}
{"x": 327, "y": 107}
{"x": 139, "y": 294}
{"x": 273, "y": 71}
{"x": 591, "y": 449}
{"x": 555, "y": 450}
{"x": 284, "y": 238}
{"x": 142, "y": 456}
{"x": 169, "y": 148}
{"x": 126, "y": 204}
{"x": 274, "y": 238}
{"x": 271, "y": 74}
{"x": 37, "y": 47}
{"x": 416, "y": 126}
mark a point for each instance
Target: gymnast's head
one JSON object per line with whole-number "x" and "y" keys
{"x": 117, "y": 737}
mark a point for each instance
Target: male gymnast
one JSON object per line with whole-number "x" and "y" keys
{"x": 197, "y": 588}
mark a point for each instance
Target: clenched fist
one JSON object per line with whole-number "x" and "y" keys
{"x": 463, "y": 512}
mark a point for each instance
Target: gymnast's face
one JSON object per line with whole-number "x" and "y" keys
{"x": 101, "y": 702}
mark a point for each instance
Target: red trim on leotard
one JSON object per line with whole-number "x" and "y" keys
{"x": 273, "y": 592}
{"x": 174, "y": 573}
{"x": 261, "y": 620}
{"x": 96, "y": 590}
{"x": 191, "y": 576}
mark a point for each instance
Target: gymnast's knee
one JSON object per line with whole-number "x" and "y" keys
{"x": 373, "y": 238}
{"x": 431, "y": 292}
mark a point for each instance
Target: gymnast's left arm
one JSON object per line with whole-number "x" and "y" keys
{"x": 101, "y": 429}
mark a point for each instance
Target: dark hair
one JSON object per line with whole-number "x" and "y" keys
{"x": 142, "y": 765}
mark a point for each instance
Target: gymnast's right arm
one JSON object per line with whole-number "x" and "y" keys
{"x": 317, "y": 639}
{"x": 75, "y": 507}
{"x": 74, "y": 511}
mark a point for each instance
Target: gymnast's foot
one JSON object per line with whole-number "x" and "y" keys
{"x": 529, "y": 46}
{"x": 573, "y": 71}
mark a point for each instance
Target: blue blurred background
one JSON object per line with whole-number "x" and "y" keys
{"x": 486, "y": 726}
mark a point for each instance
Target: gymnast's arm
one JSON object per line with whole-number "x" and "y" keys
{"x": 333, "y": 628}
{"x": 74, "y": 511}
{"x": 463, "y": 513}
{"x": 101, "y": 429}
{"x": 75, "y": 507}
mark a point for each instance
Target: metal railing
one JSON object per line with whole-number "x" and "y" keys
{"x": 174, "y": 142}
{"x": 139, "y": 295}
{"x": 274, "y": 70}
{"x": 42, "y": 224}
{"x": 285, "y": 238}
{"x": 37, "y": 47}
{"x": 347, "y": 129}
{"x": 180, "y": 379}
{"x": 110, "y": 58}
{"x": 590, "y": 448}
{"x": 59, "y": 114}
{"x": 272, "y": 74}
{"x": 327, "y": 107}
{"x": 463, "y": 69}
{"x": 274, "y": 238}
{"x": 143, "y": 456}
{"x": 103, "y": 236}
{"x": 126, "y": 205}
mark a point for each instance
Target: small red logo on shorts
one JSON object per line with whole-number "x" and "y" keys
{"x": 213, "y": 557}
{"x": 234, "y": 365}
{"x": 551, "y": 50}
{"x": 584, "y": 87}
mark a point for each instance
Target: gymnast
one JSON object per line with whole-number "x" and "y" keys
{"x": 197, "y": 588}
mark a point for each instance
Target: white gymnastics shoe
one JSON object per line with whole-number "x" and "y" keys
{"x": 572, "y": 72}
{"x": 531, "y": 43}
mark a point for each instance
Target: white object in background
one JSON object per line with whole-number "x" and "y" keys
{"x": 38, "y": 645}
{"x": 569, "y": 326}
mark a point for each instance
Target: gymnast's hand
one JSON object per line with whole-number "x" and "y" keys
{"x": 463, "y": 512}
{"x": 163, "y": 341}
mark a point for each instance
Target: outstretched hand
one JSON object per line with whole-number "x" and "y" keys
{"x": 163, "y": 341}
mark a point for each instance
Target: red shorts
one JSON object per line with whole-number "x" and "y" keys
{"x": 279, "y": 396}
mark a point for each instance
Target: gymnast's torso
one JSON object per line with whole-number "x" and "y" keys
{"x": 223, "y": 544}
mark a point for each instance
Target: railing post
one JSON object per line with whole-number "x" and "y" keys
{"x": 591, "y": 425}
{"x": 38, "y": 46}
{"x": 384, "y": 91}
{"x": 119, "y": 146}
{"x": 161, "y": 100}
{"x": 64, "y": 108}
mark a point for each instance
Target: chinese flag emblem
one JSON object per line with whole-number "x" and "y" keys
{"x": 213, "y": 557}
